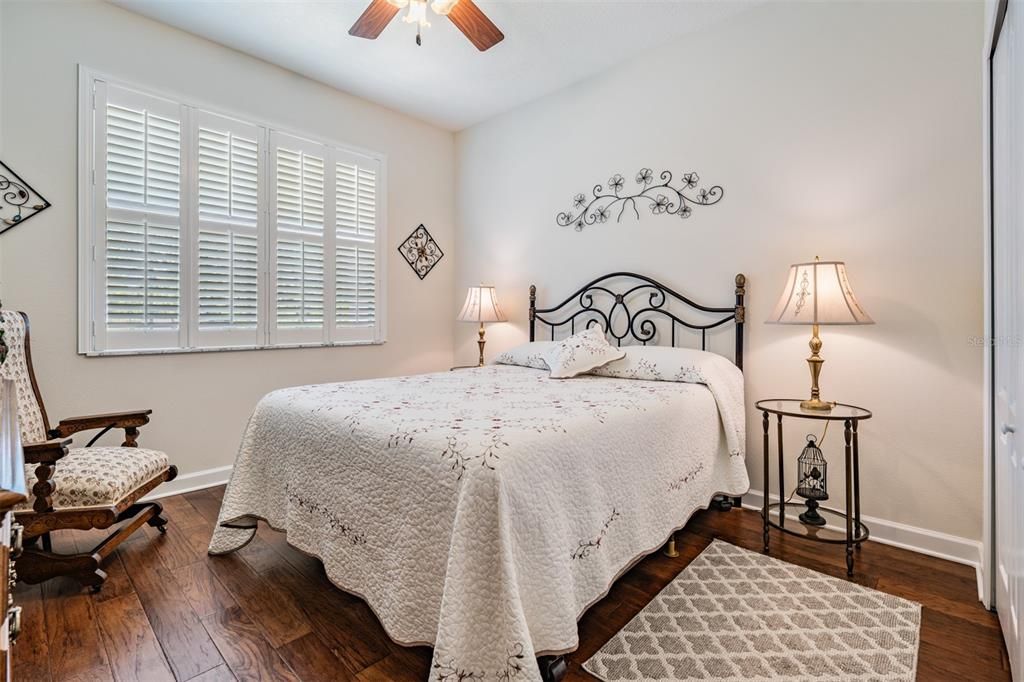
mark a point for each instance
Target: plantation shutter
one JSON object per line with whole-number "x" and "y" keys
{"x": 138, "y": 207}
{"x": 228, "y": 157}
{"x": 298, "y": 218}
{"x": 202, "y": 231}
{"x": 356, "y": 272}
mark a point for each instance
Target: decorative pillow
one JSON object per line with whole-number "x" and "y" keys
{"x": 527, "y": 355}
{"x": 581, "y": 353}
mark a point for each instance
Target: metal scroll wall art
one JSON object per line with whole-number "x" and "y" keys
{"x": 661, "y": 197}
{"x": 420, "y": 251}
{"x": 18, "y": 201}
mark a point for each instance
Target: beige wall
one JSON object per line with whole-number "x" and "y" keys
{"x": 845, "y": 130}
{"x": 201, "y": 401}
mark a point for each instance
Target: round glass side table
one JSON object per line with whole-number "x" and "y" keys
{"x": 774, "y": 514}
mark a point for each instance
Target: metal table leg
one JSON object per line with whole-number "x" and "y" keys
{"x": 782, "y": 479}
{"x": 847, "y": 437}
{"x": 764, "y": 504}
{"x": 856, "y": 481}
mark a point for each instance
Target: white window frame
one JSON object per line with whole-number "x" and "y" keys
{"x": 92, "y": 214}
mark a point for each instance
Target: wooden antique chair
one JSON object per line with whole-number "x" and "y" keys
{"x": 77, "y": 488}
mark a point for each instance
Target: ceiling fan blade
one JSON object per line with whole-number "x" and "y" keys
{"x": 373, "y": 20}
{"x": 480, "y": 30}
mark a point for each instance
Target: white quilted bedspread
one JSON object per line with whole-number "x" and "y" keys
{"x": 482, "y": 511}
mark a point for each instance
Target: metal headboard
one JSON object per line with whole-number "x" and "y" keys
{"x": 641, "y": 324}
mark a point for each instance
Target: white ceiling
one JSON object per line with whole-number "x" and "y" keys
{"x": 548, "y": 45}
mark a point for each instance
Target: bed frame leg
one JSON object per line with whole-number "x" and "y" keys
{"x": 670, "y": 548}
{"x": 722, "y": 502}
{"x": 552, "y": 668}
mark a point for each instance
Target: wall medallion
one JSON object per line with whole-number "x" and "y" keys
{"x": 420, "y": 251}
{"x": 661, "y": 198}
{"x": 18, "y": 201}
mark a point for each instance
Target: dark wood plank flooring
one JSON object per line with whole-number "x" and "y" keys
{"x": 171, "y": 612}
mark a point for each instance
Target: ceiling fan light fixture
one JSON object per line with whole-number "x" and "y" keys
{"x": 417, "y": 13}
{"x": 464, "y": 14}
{"x": 443, "y": 7}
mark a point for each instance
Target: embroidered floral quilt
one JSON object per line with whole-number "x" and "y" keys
{"x": 482, "y": 511}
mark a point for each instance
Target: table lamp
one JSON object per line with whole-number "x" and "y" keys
{"x": 818, "y": 293}
{"x": 481, "y": 306}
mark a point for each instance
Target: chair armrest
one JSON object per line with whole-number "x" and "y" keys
{"x": 116, "y": 420}
{"x": 129, "y": 421}
{"x": 47, "y": 451}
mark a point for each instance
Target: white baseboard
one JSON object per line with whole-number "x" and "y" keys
{"x": 186, "y": 483}
{"x": 920, "y": 540}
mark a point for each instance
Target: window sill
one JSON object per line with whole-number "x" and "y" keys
{"x": 226, "y": 349}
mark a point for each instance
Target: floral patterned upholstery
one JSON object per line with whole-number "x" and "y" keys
{"x": 99, "y": 476}
{"x": 30, "y": 415}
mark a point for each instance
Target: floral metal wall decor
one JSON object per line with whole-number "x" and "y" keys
{"x": 420, "y": 251}
{"x": 662, "y": 198}
{"x": 18, "y": 201}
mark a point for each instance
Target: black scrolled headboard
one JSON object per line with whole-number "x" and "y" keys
{"x": 608, "y": 299}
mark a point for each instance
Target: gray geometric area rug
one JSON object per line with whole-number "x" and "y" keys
{"x": 741, "y": 616}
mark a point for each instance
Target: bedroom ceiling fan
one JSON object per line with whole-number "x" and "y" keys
{"x": 466, "y": 16}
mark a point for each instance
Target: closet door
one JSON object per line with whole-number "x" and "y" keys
{"x": 1008, "y": 326}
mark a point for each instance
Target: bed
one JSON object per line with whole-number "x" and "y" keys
{"x": 482, "y": 511}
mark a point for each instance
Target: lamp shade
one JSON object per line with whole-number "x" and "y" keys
{"x": 481, "y": 306}
{"x": 818, "y": 293}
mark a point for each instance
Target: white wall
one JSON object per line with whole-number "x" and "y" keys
{"x": 2, "y": 91}
{"x": 845, "y": 130}
{"x": 201, "y": 401}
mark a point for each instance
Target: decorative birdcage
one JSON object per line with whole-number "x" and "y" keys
{"x": 812, "y": 481}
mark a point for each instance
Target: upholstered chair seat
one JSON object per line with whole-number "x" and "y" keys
{"x": 100, "y": 476}
{"x": 76, "y": 488}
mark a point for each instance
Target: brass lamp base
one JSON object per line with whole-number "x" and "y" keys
{"x": 814, "y": 363}
{"x": 480, "y": 342}
{"x": 816, "y": 404}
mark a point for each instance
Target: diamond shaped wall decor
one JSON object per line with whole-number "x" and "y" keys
{"x": 18, "y": 201}
{"x": 420, "y": 251}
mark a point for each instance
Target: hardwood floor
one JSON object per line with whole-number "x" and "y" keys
{"x": 171, "y": 612}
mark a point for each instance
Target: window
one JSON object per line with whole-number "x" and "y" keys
{"x": 200, "y": 231}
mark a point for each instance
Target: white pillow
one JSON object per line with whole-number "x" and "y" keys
{"x": 581, "y": 353}
{"x": 662, "y": 363}
{"x": 527, "y": 355}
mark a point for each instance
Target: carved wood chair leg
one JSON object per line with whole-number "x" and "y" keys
{"x": 158, "y": 520}
{"x": 47, "y": 543}
{"x": 131, "y": 511}
{"x": 35, "y": 566}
